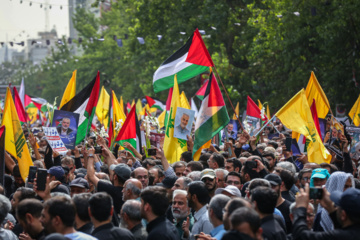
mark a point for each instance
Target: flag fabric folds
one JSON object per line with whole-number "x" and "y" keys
{"x": 212, "y": 118}
{"x": 2, "y": 155}
{"x": 14, "y": 138}
{"x": 200, "y": 93}
{"x": 84, "y": 103}
{"x": 128, "y": 130}
{"x": 236, "y": 114}
{"x": 154, "y": 103}
{"x": 193, "y": 107}
{"x": 253, "y": 110}
{"x": 296, "y": 115}
{"x": 70, "y": 90}
{"x": 22, "y": 92}
{"x": 102, "y": 107}
{"x": 19, "y": 107}
{"x": 187, "y": 62}
{"x": 314, "y": 91}
{"x": 173, "y": 147}
{"x": 354, "y": 113}
{"x": 184, "y": 103}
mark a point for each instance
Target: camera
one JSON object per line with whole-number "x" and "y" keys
{"x": 316, "y": 193}
{"x": 98, "y": 150}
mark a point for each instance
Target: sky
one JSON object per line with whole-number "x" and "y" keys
{"x": 20, "y": 18}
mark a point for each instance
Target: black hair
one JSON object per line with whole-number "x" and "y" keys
{"x": 288, "y": 178}
{"x": 157, "y": 198}
{"x": 81, "y": 202}
{"x": 248, "y": 169}
{"x": 245, "y": 214}
{"x": 236, "y": 162}
{"x": 32, "y": 206}
{"x": 25, "y": 193}
{"x": 100, "y": 205}
{"x": 268, "y": 154}
{"x": 265, "y": 198}
{"x": 63, "y": 207}
{"x": 195, "y": 166}
{"x": 225, "y": 154}
{"x": 236, "y": 174}
{"x": 187, "y": 156}
{"x": 219, "y": 159}
{"x": 258, "y": 182}
{"x": 235, "y": 203}
{"x": 273, "y": 144}
{"x": 302, "y": 171}
{"x": 199, "y": 189}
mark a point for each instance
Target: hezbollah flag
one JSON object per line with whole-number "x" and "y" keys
{"x": 213, "y": 116}
{"x": 118, "y": 112}
{"x": 70, "y": 90}
{"x": 173, "y": 147}
{"x": 168, "y": 103}
{"x": 84, "y": 103}
{"x": 190, "y": 60}
{"x": 314, "y": 91}
{"x": 354, "y": 113}
{"x": 296, "y": 115}
{"x": 236, "y": 113}
{"x": 15, "y": 139}
{"x": 102, "y": 108}
{"x": 183, "y": 101}
{"x": 128, "y": 130}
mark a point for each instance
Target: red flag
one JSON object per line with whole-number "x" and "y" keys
{"x": 253, "y": 110}
{"x": 198, "y": 53}
{"x": 19, "y": 107}
{"x": 315, "y": 117}
{"x": 168, "y": 101}
{"x": 150, "y": 101}
{"x": 201, "y": 92}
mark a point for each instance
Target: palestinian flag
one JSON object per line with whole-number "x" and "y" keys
{"x": 212, "y": 117}
{"x": 38, "y": 102}
{"x": 84, "y": 103}
{"x": 128, "y": 130}
{"x": 189, "y": 61}
{"x": 200, "y": 93}
{"x": 154, "y": 103}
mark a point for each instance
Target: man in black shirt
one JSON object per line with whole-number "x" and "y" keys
{"x": 154, "y": 204}
{"x": 101, "y": 211}
{"x": 264, "y": 200}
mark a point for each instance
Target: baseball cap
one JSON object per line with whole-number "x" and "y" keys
{"x": 273, "y": 179}
{"x": 347, "y": 200}
{"x": 320, "y": 173}
{"x": 121, "y": 170}
{"x": 231, "y": 189}
{"x": 168, "y": 182}
{"x": 57, "y": 171}
{"x": 79, "y": 182}
{"x": 208, "y": 172}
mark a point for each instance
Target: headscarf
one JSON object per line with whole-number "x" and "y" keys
{"x": 336, "y": 182}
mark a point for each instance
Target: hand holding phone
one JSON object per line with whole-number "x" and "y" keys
{"x": 316, "y": 193}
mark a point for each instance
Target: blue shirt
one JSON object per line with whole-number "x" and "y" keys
{"x": 218, "y": 232}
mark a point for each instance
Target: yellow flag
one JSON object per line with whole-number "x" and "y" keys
{"x": 133, "y": 102}
{"x": 118, "y": 113}
{"x": 173, "y": 147}
{"x": 268, "y": 112}
{"x": 15, "y": 142}
{"x": 296, "y": 115}
{"x": 121, "y": 104}
{"x": 70, "y": 90}
{"x": 102, "y": 107}
{"x": 161, "y": 119}
{"x": 236, "y": 112}
{"x": 183, "y": 101}
{"x": 354, "y": 113}
{"x": 139, "y": 108}
{"x": 197, "y": 154}
{"x": 260, "y": 105}
{"x": 314, "y": 91}
{"x": 32, "y": 111}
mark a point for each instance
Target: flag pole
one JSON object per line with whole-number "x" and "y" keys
{"x": 232, "y": 106}
{"x": 265, "y": 126}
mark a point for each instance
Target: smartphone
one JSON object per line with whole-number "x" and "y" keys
{"x": 152, "y": 152}
{"x": 41, "y": 179}
{"x": 288, "y": 143}
{"x": 98, "y": 150}
{"x": 32, "y": 174}
{"x": 316, "y": 193}
{"x": 251, "y": 164}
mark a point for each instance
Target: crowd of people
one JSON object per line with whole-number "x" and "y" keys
{"x": 248, "y": 188}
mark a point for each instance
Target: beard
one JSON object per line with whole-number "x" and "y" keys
{"x": 178, "y": 213}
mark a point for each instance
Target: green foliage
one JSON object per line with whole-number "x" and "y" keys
{"x": 260, "y": 48}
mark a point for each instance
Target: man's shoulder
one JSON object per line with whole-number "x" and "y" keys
{"x": 80, "y": 235}
{"x": 121, "y": 233}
